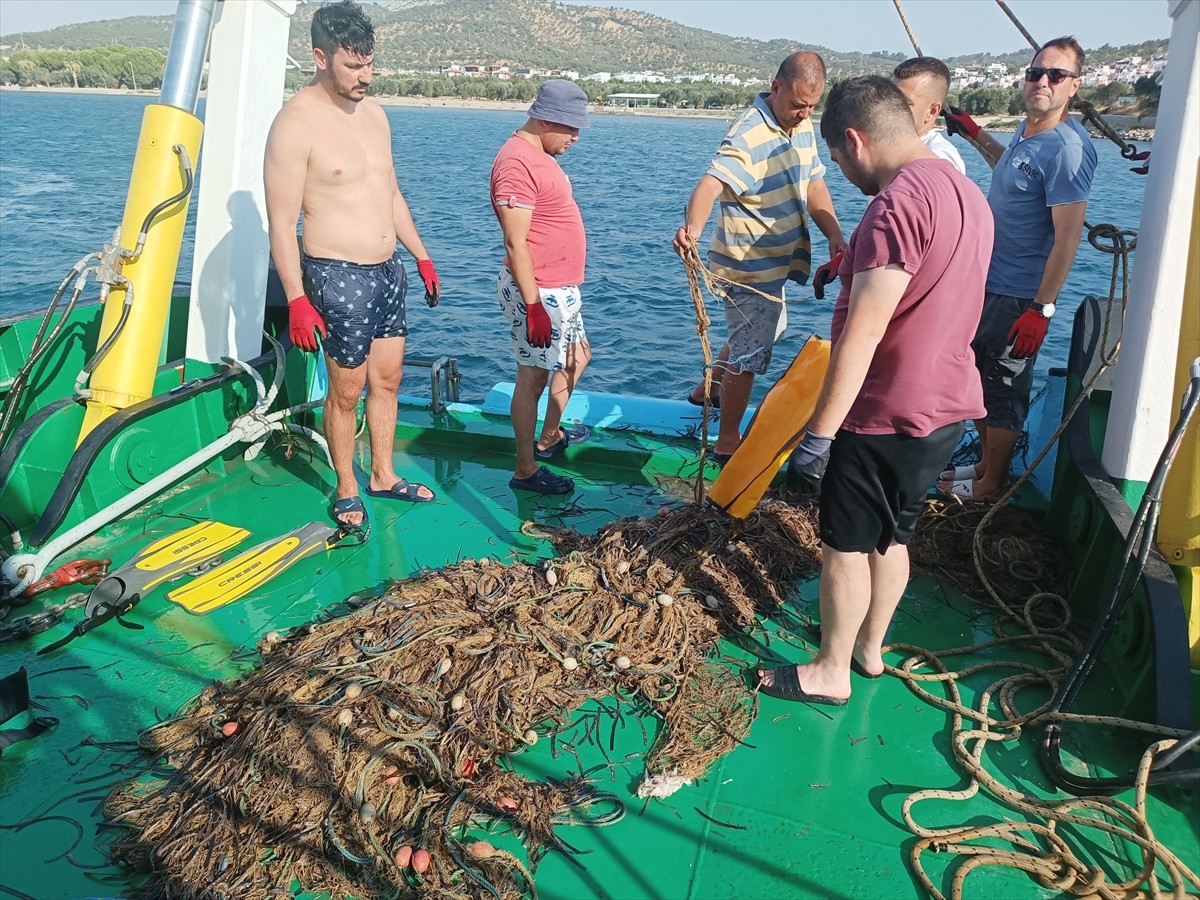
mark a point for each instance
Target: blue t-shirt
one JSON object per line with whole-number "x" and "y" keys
{"x": 1033, "y": 174}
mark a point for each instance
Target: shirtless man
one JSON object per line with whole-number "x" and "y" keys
{"x": 330, "y": 153}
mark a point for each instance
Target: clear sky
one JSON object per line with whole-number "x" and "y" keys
{"x": 942, "y": 27}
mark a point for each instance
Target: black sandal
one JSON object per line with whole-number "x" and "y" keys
{"x": 786, "y": 686}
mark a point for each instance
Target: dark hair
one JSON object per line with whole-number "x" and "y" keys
{"x": 869, "y": 103}
{"x": 924, "y": 65}
{"x": 343, "y": 25}
{"x": 1066, "y": 42}
{"x": 802, "y": 66}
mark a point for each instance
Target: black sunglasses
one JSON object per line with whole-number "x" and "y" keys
{"x": 1056, "y": 76}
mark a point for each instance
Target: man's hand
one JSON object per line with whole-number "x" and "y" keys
{"x": 808, "y": 462}
{"x": 683, "y": 240}
{"x": 959, "y": 121}
{"x": 826, "y": 274}
{"x": 433, "y": 284}
{"x": 1027, "y": 333}
{"x": 302, "y": 320}
{"x": 537, "y": 325}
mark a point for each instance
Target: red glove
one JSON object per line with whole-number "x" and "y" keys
{"x": 433, "y": 284}
{"x": 959, "y": 121}
{"x": 825, "y": 275}
{"x": 1027, "y": 333}
{"x": 537, "y": 325}
{"x": 302, "y": 319}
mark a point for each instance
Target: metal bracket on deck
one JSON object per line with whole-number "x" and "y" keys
{"x": 444, "y": 379}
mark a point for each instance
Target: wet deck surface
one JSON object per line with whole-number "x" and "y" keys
{"x": 810, "y": 807}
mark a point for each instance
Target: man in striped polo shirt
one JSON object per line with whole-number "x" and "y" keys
{"x": 770, "y": 182}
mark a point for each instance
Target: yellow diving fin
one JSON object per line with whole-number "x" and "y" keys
{"x": 252, "y": 569}
{"x": 776, "y": 429}
{"x": 168, "y": 557}
{"x": 177, "y": 553}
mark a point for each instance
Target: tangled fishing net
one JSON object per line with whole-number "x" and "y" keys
{"x": 365, "y": 755}
{"x": 358, "y": 755}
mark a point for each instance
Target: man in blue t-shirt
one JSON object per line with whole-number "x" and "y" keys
{"x": 1039, "y": 195}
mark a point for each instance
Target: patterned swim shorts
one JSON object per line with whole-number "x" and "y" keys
{"x": 359, "y": 303}
{"x": 564, "y": 306}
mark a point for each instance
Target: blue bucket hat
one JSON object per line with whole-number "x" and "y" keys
{"x": 560, "y": 102}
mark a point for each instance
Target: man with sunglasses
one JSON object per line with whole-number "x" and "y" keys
{"x": 1039, "y": 194}
{"x": 770, "y": 182}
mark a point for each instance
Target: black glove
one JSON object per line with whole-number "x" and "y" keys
{"x": 806, "y": 467}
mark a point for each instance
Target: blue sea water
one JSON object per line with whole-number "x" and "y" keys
{"x": 65, "y": 161}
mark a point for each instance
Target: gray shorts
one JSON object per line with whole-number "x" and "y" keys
{"x": 755, "y": 324}
{"x": 1007, "y": 382}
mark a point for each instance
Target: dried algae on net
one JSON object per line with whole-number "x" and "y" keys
{"x": 362, "y": 743}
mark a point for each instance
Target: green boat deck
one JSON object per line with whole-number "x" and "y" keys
{"x": 809, "y": 807}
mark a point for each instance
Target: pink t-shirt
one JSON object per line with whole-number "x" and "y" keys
{"x": 527, "y": 177}
{"x": 937, "y": 225}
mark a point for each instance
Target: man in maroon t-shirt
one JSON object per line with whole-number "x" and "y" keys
{"x": 902, "y": 377}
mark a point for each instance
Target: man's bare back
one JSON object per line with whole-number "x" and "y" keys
{"x": 346, "y": 188}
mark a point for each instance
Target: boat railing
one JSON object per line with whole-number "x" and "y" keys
{"x": 444, "y": 380}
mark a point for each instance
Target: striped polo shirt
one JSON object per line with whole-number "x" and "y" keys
{"x": 762, "y": 230}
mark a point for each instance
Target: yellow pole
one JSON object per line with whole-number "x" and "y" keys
{"x": 1179, "y": 522}
{"x": 126, "y": 373}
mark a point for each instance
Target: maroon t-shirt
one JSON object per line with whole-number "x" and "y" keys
{"x": 937, "y": 225}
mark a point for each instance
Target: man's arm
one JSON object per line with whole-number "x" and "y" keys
{"x": 873, "y": 300}
{"x": 515, "y": 222}
{"x": 820, "y": 210}
{"x": 699, "y": 209}
{"x": 285, "y": 169}
{"x": 959, "y": 121}
{"x": 989, "y": 148}
{"x": 1068, "y": 229}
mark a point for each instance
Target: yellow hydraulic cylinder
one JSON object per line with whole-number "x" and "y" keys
{"x": 1179, "y": 522}
{"x": 126, "y": 373}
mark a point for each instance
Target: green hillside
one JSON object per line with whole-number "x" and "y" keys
{"x": 424, "y": 34}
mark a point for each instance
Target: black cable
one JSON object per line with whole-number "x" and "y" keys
{"x": 1138, "y": 544}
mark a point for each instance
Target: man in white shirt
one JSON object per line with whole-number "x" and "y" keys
{"x": 924, "y": 81}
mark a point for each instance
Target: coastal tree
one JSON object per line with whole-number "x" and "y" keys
{"x": 74, "y": 66}
{"x": 145, "y": 67}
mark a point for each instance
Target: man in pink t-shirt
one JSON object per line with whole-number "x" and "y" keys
{"x": 538, "y": 285}
{"x": 901, "y": 381}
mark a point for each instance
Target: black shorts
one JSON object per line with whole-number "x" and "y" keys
{"x": 1007, "y": 382}
{"x": 876, "y": 484}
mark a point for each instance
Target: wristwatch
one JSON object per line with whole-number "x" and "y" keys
{"x": 1046, "y": 309}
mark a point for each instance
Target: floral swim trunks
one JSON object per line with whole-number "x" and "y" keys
{"x": 359, "y": 303}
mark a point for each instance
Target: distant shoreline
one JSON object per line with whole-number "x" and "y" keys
{"x": 425, "y": 103}
{"x": 1001, "y": 124}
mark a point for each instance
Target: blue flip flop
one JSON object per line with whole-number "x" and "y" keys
{"x": 404, "y": 490}
{"x": 348, "y": 505}
{"x": 576, "y": 435}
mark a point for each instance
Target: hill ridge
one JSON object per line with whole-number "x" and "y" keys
{"x": 425, "y": 34}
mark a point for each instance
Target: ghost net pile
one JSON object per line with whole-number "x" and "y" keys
{"x": 363, "y": 750}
